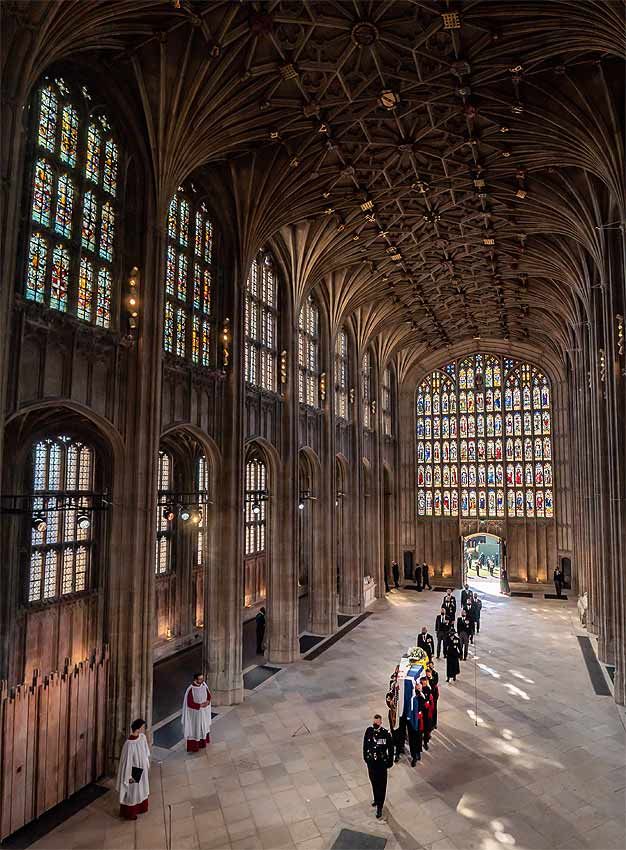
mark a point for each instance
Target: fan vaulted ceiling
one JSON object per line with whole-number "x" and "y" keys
{"x": 444, "y": 169}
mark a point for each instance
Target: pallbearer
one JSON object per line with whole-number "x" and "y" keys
{"x": 433, "y": 681}
{"x": 429, "y": 709}
{"x": 196, "y": 717}
{"x": 132, "y": 774}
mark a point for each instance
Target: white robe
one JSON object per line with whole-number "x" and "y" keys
{"x": 196, "y": 721}
{"x": 135, "y": 753}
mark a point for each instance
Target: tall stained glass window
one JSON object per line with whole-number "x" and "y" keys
{"x": 261, "y": 319}
{"x": 341, "y": 374}
{"x": 74, "y": 205}
{"x": 484, "y": 440}
{"x": 386, "y": 393}
{"x": 308, "y": 354}
{"x": 165, "y": 531}
{"x": 366, "y": 390}
{"x": 255, "y": 523}
{"x": 187, "y": 326}
{"x": 62, "y": 527}
{"x": 202, "y": 486}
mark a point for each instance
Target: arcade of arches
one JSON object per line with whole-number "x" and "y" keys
{"x": 291, "y": 290}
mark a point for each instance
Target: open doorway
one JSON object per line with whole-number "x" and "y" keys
{"x": 483, "y": 555}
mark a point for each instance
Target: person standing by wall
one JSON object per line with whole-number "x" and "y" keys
{"x": 558, "y": 581}
{"x": 395, "y": 571}
{"x": 260, "y": 631}
{"x": 425, "y": 576}
{"x": 196, "y": 715}
{"x": 132, "y": 773}
{"x": 418, "y": 576}
{"x": 378, "y": 756}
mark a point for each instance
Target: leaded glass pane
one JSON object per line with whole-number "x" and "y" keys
{"x": 484, "y": 384}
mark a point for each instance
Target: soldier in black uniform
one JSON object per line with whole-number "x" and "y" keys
{"x": 378, "y": 756}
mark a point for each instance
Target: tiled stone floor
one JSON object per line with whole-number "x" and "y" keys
{"x": 544, "y": 767}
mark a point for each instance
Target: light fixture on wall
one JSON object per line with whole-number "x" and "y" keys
{"x": 256, "y": 508}
{"x": 132, "y": 302}
{"x": 168, "y": 513}
{"x": 83, "y": 521}
{"x": 620, "y": 335}
{"x": 39, "y": 523}
{"x": 185, "y": 513}
{"x": 323, "y": 386}
{"x": 196, "y": 516}
{"x": 283, "y": 367}
{"x": 226, "y": 340}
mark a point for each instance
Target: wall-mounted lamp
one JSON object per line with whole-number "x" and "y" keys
{"x": 226, "y": 338}
{"x": 132, "y": 302}
{"x": 351, "y": 395}
{"x": 283, "y": 367}
{"x": 323, "y": 386}
{"x": 602, "y": 360}
{"x": 620, "y": 335}
{"x": 373, "y": 406}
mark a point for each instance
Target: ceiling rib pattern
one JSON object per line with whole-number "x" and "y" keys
{"x": 444, "y": 169}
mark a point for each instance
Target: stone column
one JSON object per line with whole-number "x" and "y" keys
{"x": 223, "y": 596}
{"x": 282, "y": 627}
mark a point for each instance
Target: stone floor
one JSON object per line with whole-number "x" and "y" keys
{"x": 526, "y": 756}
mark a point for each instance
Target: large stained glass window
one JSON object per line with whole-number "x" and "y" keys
{"x": 386, "y": 394}
{"x": 261, "y": 319}
{"x": 62, "y": 528}
{"x": 366, "y": 390}
{"x": 74, "y": 205}
{"x": 484, "y": 440}
{"x": 341, "y": 374}
{"x": 255, "y": 522}
{"x": 308, "y": 354}
{"x": 165, "y": 517}
{"x": 187, "y": 327}
{"x": 202, "y": 487}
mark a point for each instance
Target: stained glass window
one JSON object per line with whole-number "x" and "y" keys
{"x": 366, "y": 390}
{"x": 308, "y": 354}
{"x": 341, "y": 374}
{"x": 484, "y": 445}
{"x": 202, "y": 486}
{"x": 386, "y": 395}
{"x": 188, "y": 322}
{"x": 73, "y": 211}
{"x": 163, "y": 554}
{"x": 255, "y": 527}
{"x": 261, "y": 320}
{"x": 61, "y": 538}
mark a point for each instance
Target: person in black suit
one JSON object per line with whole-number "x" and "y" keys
{"x": 464, "y": 594}
{"x": 477, "y": 607}
{"x": 426, "y": 642}
{"x": 425, "y": 578}
{"x": 453, "y": 668}
{"x": 418, "y": 576}
{"x": 395, "y": 571}
{"x": 463, "y": 630}
{"x": 442, "y": 627}
{"x": 558, "y": 582}
{"x": 449, "y": 604}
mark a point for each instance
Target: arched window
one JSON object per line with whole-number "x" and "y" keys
{"x": 202, "y": 487}
{"x": 366, "y": 389}
{"x": 62, "y": 518}
{"x": 74, "y": 204}
{"x": 261, "y": 318}
{"x": 308, "y": 354}
{"x": 255, "y": 528}
{"x": 387, "y": 402}
{"x": 484, "y": 445}
{"x": 341, "y": 374}
{"x": 165, "y": 517}
{"x": 188, "y": 281}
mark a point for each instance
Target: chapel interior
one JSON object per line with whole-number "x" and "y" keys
{"x": 292, "y": 289}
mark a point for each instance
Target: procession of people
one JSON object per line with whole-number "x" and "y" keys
{"x": 412, "y": 698}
